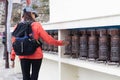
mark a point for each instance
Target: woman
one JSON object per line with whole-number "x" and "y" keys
{"x": 35, "y": 59}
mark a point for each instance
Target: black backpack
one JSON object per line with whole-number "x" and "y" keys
{"x": 24, "y": 43}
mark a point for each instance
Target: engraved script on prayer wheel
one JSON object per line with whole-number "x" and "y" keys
{"x": 51, "y": 47}
{"x": 68, "y": 48}
{"x": 75, "y": 44}
{"x": 83, "y": 44}
{"x": 115, "y": 45}
{"x": 103, "y": 45}
{"x": 45, "y": 44}
{"x": 92, "y": 45}
{"x": 56, "y": 37}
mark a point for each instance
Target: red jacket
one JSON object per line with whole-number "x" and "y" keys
{"x": 38, "y": 32}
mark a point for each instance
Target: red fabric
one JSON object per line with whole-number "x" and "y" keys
{"x": 28, "y": 2}
{"x": 38, "y": 32}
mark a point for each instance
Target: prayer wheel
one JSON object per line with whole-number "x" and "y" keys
{"x": 51, "y": 47}
{"x": 68, "y": 48}
{"x": 75, "y": 44}
{"x": 83, "y": 52}
{"x": 115, "y": 45}
{"x": 55, "y": 37}
{"x": 103, "y": 45}
{"x": 92, "y": 45}
{"x": 45, "y": 45}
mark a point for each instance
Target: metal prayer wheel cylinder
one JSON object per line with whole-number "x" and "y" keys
{"x": 83, "y": 44}
{"x": 103, "y": 45}
{"x": 92, "y": 45}
{"x": 114, "y": 32}
{"x": 51, "y": 47}
{"x": 55, "y": 37}
{"x": 42, "y": 45}
{"x": 68, "y": 48}
{"x": 75, "y": 44}
{"x": 45, "y": 44}
{"x": 115, "y": 45}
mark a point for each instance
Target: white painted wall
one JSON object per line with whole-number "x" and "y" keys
{"x": 65, "y": 10}
{"x": 86, "y": 74}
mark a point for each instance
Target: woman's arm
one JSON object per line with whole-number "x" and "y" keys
{"x": 46, "y": 37}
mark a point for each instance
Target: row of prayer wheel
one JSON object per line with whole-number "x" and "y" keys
{"x": 94, "y": 44}
{"x": 47, "y": 47}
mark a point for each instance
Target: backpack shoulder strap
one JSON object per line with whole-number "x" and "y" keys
{"x": 29, "y": 28}
{"x": 18, "y": 30}
{"x": 22, "y": 28}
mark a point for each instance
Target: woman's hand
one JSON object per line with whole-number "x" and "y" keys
{"x": 65, "y": 42}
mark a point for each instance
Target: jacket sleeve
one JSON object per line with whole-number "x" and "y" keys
{"x": 46, "y": 37}
{"x": 12, "y": 55}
